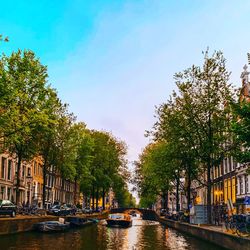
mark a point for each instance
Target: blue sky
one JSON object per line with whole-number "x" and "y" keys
{"x": 113, "y": 61}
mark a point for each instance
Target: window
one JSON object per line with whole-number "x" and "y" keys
{"x": 2, "y": 195}
{"x": 16, "y": 168}
{"x": 225, "y": 165}
{"x": 3, "y": 167}
{"x": 34, "y": 168}
{"x": 40, "y": 169}
{"x": 229, "y": 189}
{"x": 234, "y": 164}
{"x": 9, "y": 169}
{"x": 221, "y": 169}
{"x": 23, "y": 172}
{"x": 229, "y": 165}
{"x": 29, "y": 172}
{"x": 9, "y": 193}
{"x": 246, "y": 184}
{"x": 241, "y": 184}
{"x": 225, "y": 191}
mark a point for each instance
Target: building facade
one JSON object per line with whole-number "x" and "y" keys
{"x": 243, "y": 178}
{"x": 57, "y": 189}
{"x": 37, "y": 175}
{"x": 7, "y": 177}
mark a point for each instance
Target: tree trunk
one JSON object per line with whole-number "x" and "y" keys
{"x": 97, "y": 198}
{"x": 75, "y": 191}
{"x": 103, "y": 198}
{"x": 210, "y": 139}
{"x": 18, "y": 176}
{"x": 93, "y": 197}
{"x": 189, "y": 187}
{"x": 166, "y": 201}
{"x": 44, "y": 183}
{"x": 209, "y": 210}
{"x": 177, "y": 193}
{"x": 62, "y": 191}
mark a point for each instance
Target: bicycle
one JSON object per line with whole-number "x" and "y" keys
{"x": 230, "y": 223}
{"x": 243, "y": 225}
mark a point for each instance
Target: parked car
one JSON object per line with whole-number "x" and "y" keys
{"x": 62, "y": 210}
{"x": 72, "y": 208}
{"x": 7, "y": 208}
{"x": 87, "y": 210}
{"x": 98, "y": 210}
{"x": 163, "y": 212}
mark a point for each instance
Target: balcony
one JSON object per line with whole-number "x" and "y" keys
{"x": 22, "y": 182}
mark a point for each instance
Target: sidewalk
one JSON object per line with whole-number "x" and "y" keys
{"x": 220, "y": 228}
{"x": 214, "y": 234}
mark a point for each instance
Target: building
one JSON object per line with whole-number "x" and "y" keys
{"x": 243, "y": 178}
{"x": 224, "y": 181}
{"x": 50, "y": 187}
{"x": 57, "y": 189}
{"x": 230, "y": 179}
{"x": 7, "y": 177}
{"x": 37, "y": 172}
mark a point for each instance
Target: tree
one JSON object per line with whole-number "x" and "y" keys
{"x": 3, "y": 39}
{"x": 155, "y": 173}
{"x": 203, "y": 103}
{"x": 181, "y": 154}
{"x": 108, "y": 162}
{"x": 22, "y": 106}
{"x": 82, "y": 143}
{"x": 241, "y": 128}
{"x": 53, "y": 135}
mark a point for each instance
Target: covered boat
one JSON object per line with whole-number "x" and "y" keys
{"x": 51, "y": 226}
{"x": 119, "y": 220}
{"x": 79, "y": 222}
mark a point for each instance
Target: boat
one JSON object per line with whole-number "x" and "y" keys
{"x": 79, "y": 222}
{"x": 51, "y": 226}
{"x": 133, "y": 213}
{"x": 119, "y": 220}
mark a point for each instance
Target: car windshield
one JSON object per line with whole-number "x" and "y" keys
{"x": 56, "y": 207}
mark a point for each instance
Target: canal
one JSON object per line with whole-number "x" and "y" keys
{"x": 142, "y": 235}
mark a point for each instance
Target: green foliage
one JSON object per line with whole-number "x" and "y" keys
{"x": 154, "y": 172}
{"x": 106, "y": 167}
{"x": 34, "y": 122}
{"x": 4, "y": 39}
{"x": 122, "y": 194}
{"x": 241, "y": 128}
{"x": 194, "y": 124}
{"x": 23, "y": 110}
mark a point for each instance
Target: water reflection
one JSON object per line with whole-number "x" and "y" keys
{"x": 142, "y": 235}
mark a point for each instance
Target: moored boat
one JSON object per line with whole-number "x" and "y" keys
{"x": 79, "y": 222}
{"x": 51, "y": 226}
{"x": 119, "y": 220}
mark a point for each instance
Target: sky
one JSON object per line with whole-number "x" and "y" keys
{"x": 113, "y": 61}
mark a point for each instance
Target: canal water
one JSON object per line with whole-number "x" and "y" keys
{"x": 142, "y": 235}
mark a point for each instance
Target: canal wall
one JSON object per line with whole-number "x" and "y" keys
{"x": 25, "y": 223}
{"x": 216, "y": 237}
{"x": 21, "y": 224}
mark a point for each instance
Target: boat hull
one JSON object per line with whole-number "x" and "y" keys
{"x": 52, "y": 226}
{"x": 119, "y": 223}
{"x": 80, "y": 223}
